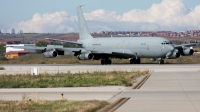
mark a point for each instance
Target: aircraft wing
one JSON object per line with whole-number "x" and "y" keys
{"x": 184, "y": 46}
{"x": 56, "y": 47}
{"x": 64, "y": 41}
{"x": 98, "y": 51}
{"x": 27, "y": 47}
{"x": 114, "y": 52}
{"x": 119, "y": 53}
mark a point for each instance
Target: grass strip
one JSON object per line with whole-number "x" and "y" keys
{"x": 51, "y": 106}
{"x": 85, "y": 79}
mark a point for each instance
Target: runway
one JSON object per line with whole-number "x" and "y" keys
{"x": 75, "y": 68}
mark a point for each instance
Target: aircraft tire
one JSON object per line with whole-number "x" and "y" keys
{"x": 109, "y": 61}
{"x": 106, "y": 62}
{"x": 131, "y": 61}
{"x": 161, "y": 62}
{"x": 102, "y": 62}
{"x": 138, "y": 61}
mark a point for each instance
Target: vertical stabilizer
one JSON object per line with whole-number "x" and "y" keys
{"x": 83, "y": 28}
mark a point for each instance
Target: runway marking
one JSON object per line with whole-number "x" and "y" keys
{"x": 115, "y": 105}
{"x": 141, "y": 82}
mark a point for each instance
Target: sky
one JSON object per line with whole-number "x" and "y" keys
{"x": 59, "y": 16}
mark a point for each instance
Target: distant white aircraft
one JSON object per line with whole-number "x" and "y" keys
{"x": 133, "y": 48}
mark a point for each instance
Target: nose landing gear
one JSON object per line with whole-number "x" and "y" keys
{"x": 161, "y": 62}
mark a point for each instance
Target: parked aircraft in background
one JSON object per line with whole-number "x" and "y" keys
{"x": 104, "y": 49}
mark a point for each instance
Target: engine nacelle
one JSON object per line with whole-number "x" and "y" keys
{"x": 50, "y": 54}
{"x": 86, "y": 56}
{"x": 188, "y": 52}
{"x": 173, "y": 55}
{"x": 176, "y": 55}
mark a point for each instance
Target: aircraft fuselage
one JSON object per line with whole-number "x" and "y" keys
{"x": 143, "y": 47}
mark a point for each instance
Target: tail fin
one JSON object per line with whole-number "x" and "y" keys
{"x": 83, "y": 28}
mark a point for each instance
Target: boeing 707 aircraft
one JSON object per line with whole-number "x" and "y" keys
{"x": 104, "y": 49}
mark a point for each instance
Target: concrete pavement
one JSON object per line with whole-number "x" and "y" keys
{"x": 64, "y": 68}
{"x": 164, "y": 92}
{"x": 78, "y": 93}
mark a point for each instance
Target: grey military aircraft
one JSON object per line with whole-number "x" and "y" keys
{"x": 107, "y": 48}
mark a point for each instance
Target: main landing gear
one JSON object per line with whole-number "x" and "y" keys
{"x": 135, "y": 61}
{"x": 106, "y": 62}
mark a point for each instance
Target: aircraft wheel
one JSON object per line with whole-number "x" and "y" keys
{"x": 109, "y": 61}
{"x": 161, "y": 62}
{"x": 138, "y": 61}
{"x": 131, "y": 61}
{"x": 106, "y": 61}
{"x": 102, "y": 62}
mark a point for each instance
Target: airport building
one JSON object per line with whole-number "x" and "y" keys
{"x": 21, "y": 32}
{"x": 12, "y": 31}
{"x": 15, "y": 54}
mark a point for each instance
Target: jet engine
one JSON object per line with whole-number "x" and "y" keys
{"x": 50, "y": 54}
{"x": 173, "y": 55}
{"x": 176, "y": 54}
{"x": 188, "y": 52}
{"x": 86, "y": 56}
